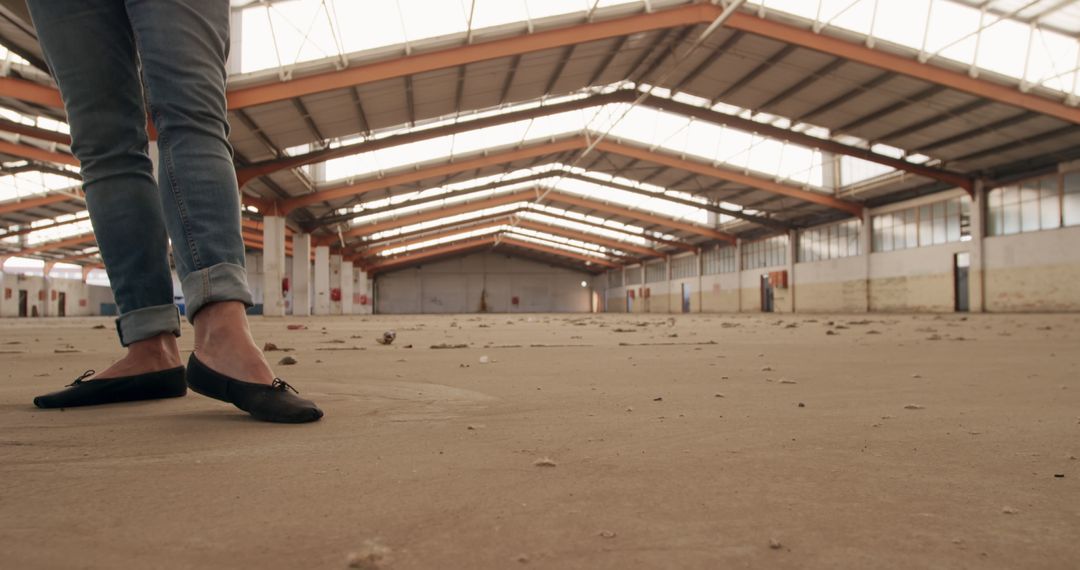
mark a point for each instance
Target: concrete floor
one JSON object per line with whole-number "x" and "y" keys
{"x": 685, "y": 443}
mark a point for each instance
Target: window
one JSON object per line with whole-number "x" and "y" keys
{"x": 1033, "y": 205}
{"x": 614, "y": 278}
{"x": 633, "y": 275}
{"x": 656, "y": 271}
{"x": 765, "y": 253}
{"x": 683, "y": 267}
{"x": 829, "y": 242}
{"x": 720, "y": 259}
{"x": 947, "y": 221}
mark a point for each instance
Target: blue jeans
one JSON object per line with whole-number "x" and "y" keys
{"x": 102, "y": 54}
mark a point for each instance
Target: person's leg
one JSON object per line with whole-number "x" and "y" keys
{"x": 90, "y": 49}
{"x": 183, "y": 45}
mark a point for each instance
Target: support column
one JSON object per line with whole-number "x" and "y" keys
{"x": 301, "y": 274}
{"x": 738, "y": 272}
{"x": 347, "y": 277}
{"x": 47, "y": 289}
{"x": 976, "y": 273}
{"x": 866, "y": 247}
{"x": 793, "y": 252}
{"x": 322, "y": 280}
{"x": 363, "y": 289}
{"x": 335, "y": 283}
{"x": 273, "y": 265}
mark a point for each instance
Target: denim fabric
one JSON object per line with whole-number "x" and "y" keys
{"x": 103, "y": 54}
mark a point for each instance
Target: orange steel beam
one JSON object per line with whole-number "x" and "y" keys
{"x": 420, "y": 255}
{"x": 20, "y": 205}
{"x": 688, "y": 15}
{"x": 621, "y": 96}
{"x": 436, "y": 213}
{"x": 31, "y": 92}
{"x": 33, "y": 153}
{"x": 729, "y": 174}
{"x": 573, "y": 143}
{"x": 431, "y": 237}
{"x": 247, "y": 173}
{"x": 557, "y": 251}
{"x": 678, "y": 244}
{"x": 257, "y": 225}
{"x": 432, "y": 171}
{"x": 360, "y": 248}
{"x": 74, "y": 257}
{"x": 641, "y": 216}
{"x": 35, "y": 132}
{"x": 49, "y": 246}
{"x": 947, "y": 176}
{"x": 528, "y": 196}
{"x": 588, "y": 238}
{"x": 463, "y": 55}
{"x": 859, "y": 53}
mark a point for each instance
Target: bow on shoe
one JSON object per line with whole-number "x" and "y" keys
{"x": 84, "y": 376}
{"x": 282, "y": 385}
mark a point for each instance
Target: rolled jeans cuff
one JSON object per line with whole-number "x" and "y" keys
{"x": 221, "y": 282}
{"x": 148, "y": 322}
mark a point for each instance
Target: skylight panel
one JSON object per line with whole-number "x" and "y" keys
{"x": 439, "y": 241}
{"x": 555, "y": 242}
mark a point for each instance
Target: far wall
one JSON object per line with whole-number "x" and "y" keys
{"x": 456, "y": 286}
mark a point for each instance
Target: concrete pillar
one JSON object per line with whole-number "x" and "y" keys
{"x": 273, "y": 265}
{"x": 47, "y": 288}
{"x": 335, "y": 283}
{"x": 347, "y": 287}
{"x": 793, "y": 253}
{"x": 976, "y": 273}
{"x": 866, "y": 247}
{"x": 301, "y": 274}
{"x": 363, "y": 289}
{"x": 738, "y": 271}
{"x": 322, "y": 280}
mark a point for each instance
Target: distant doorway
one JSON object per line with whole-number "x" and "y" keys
{"x": 685, "y": 298}
{"x": 629, "y": 301}
{"x": 23, "y": 303}
{"x": 61, "y": 305}
{"x": 961, "y": 269}
{"x": 766, "y": 295}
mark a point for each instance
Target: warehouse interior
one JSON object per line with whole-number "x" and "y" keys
{"x": 620, "y": 216}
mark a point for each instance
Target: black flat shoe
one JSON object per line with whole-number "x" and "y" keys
{"x": 150, "y": 386}
{"x": 273, "y": 403}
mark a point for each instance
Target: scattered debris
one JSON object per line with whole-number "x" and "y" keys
{"x": 386, "y": 338}
{"x": 372, "y": 556}
{"x": 474, "y": 427}
{"x": 914, "y": 407}
{"x": 786, "y": 381}
{"x": 802, "y": 405}
{"x": 522, "y": 558}
{"x": 718, "y": 395}
{"x": 767, "y": 369}
{"x": 485, "y": 359}
{"x": 287, "y": 361}
{"x": 1059, "y": 475}
{"x": 296, "y": 327}
{"x": 270, "y": 347}
{"x": 658, "y": 399}
{"x": 916, "y": 375}
{"x": 66, "y": 350}
{"x": 98, "y": 327}
{"x": 445, "y": 346}
{"x": 774, "y": 544}
{"x": 1010, "y": 511}
{"x": 934, "y": 337}
{"x": 607, "y": 534}
{"x": 544, "y": 462}
{"x": 830, "y": 332}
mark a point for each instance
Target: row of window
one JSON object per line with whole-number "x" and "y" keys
{"x": 830, "y": 242}
{"x": 684, "y": 267}
{"x": 933, "y": 224}
{"x": 656, "y": 272}
{"x": 718, "y": 260}
{"x": 1045, "y": 203}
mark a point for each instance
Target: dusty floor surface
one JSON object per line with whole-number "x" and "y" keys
{"x": 694, "y": 442}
